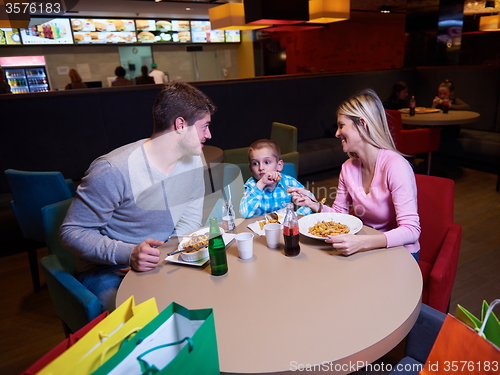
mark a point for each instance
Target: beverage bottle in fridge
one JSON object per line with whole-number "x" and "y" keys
{"x": 216, "y": 249}
{"x": 446, "y": 104}
{"x": 228, "y": 217}
{"x": 413, "y": 105}
{"x": 291, "y": 232}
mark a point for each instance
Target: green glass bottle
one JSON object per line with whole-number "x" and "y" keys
{"x": 216, "y": 249}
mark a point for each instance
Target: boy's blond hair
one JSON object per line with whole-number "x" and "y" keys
{"x": 265, "y": 143}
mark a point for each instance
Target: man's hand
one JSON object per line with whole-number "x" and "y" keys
{"x": 145, "y": 257}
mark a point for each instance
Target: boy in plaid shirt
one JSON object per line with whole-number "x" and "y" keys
{"x": 265, "y": 192}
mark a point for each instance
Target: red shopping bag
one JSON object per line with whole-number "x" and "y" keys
{"x": 459, "y": 349}
{"x": 63, "y": 346}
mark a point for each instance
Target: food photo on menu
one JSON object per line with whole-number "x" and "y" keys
{"x": 202, "y": 33}
{"x": 93, "y": 31}
{"x": 166, "y": 31}
{"x": 55, "y": 31}
{"x": 10, "y": 36}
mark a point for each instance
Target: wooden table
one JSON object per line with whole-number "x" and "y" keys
{"x": 275, "y": 314}
{"x": 440, "y": 118}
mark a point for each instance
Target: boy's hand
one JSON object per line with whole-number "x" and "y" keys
{"x": 268, "y": 178}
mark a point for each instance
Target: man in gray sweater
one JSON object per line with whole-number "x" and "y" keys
{"x": 133, "y": 198}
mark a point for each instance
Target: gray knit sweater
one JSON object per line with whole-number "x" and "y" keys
{"x": 122, "y": 200}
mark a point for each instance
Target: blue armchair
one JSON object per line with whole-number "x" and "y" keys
{"x": 74, "y": 303}
{"x": 30, "y": 192}
{"x": 420, "y": 340}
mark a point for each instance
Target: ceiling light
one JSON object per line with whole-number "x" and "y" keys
{"x": 385, "y": 9}
{"x": 327, "y": 11}
{"x": 230, "y": 16}
{"x": 489, "y": 4}
{"x": 189, "y": 8}
{"x": 276, "y": 12}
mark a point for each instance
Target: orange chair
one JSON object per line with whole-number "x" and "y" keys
{"x": 439, "y": 240}
{"x": 413, "y": 141}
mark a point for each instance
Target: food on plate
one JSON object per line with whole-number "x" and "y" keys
{"x": 163, "y": 25}
{"x": 141, "y": 25}
{"x": 146, "y": 36}
{"x": 195, "y": 241}
{"x": 273, "y": 217}
{"x": 328, "y": 228}
{"x": 77, "y": 25}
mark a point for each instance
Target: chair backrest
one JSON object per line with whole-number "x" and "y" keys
{"x": 395, "y": 124}
{"x": 285, "y": 136}
{"x": 31, "y": 191}
{"x": 52, "y": 217}
{"x": 436, "y": 197}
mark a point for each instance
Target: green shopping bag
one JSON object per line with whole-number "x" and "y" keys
{"x": 177, "y": 341}
{"x": 492, "y": 328}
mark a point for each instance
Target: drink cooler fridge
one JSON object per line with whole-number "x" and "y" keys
{"x": 27, "y": 79}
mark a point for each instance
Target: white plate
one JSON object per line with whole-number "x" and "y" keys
{"x": 308, "y": 221}
{"x": 255, "y": 226}
{"x": 177, "y": 258}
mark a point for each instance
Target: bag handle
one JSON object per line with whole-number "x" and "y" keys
{"x": 148, "y": 369}
{"x": 108, "y": 348}
{"x": 487, "y": 315}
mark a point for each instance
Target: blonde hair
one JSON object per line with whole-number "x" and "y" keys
{"x": 74, "y": 76}
{"x": 265, "y": 143}
{"x": 367, "y": 106}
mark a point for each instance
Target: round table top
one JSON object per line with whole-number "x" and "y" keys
{"x": 275, "y": 314}
{"x": 213, "y": 154}
{"x": 440, "y": 118}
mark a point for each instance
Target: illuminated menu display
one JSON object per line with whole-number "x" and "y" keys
{"x": 202, "y": 33}
{"x": 111, "y": 31}
{"x": 166, "y": 31}
{"x": 10, "y": 36}
{"x": 98, "y": 31}
{"x": 56, "y": 31}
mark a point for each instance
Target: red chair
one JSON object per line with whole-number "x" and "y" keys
{"x": 413, "y": 141}
{"x": 440, "y": 239}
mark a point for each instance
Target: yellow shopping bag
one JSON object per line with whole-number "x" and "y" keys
{"x": 103, "y": 340}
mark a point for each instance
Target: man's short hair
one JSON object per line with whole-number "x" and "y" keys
{"x": 120, "y": 71}
{"x": 265, "y": 143}
{"x": 180, "y": 99}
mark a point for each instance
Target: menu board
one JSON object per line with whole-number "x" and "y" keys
{"x": 98, "y": 31}
{"x": 163, "y": 31}
{"x": 202, "y": 33}
{"x": 55, "y": 31}
{"x": 233, "y": 36}
{"x": 10, "y": 36}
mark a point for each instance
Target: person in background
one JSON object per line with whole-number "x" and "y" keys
{"x": 132, "y": 199}
{"x": 76, "y": 81}
{"x": 446, "y": 88}
{"x": 159, "y": 77}
{"x": 376, "y": 180}
{"x": 397, "y": 100}
{"x": 120, "y": 79}
{"x": 265, "y": 191}
{"x": 144, "y": 78}
{"x": 4, "y": 86}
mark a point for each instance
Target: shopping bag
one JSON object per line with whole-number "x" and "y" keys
{"x": 459, "y": 349}
{"x": 492, "y": 328}
{"x": 177, "y": 341}
{"x": 63, "y": 346}
{"x": 99, "y": 343}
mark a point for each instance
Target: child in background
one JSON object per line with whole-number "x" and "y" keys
{"x": 446, "y": 88}
{"x": 265, "y": 192}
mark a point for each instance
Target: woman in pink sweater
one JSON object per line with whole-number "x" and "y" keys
{"x": 376, "y": 182}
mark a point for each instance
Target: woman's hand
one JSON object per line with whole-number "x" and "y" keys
{"x": 348, "y": 244}
{"x": 302, "y": 197}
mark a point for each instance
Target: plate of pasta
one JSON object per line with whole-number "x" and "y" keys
{"x": 320, "y": 225}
